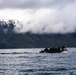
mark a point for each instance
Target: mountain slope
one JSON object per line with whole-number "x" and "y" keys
{"x": 27, "y": 40}
{"x": 11, "y": 39}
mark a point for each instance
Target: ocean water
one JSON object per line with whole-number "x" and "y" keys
{"x": 31, "y": 62}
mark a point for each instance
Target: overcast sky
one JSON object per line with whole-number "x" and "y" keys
{"x": 23, "y": 4}
{"x": 41, "y": 16}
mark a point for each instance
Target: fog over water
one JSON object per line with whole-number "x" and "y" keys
{"x": 40, "y": 16}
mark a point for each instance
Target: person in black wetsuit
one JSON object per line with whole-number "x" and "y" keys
{"x": 46, "y": 50}
{"x": 63, "y": 48}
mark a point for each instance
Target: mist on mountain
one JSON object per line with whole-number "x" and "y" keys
{"x": 11, "y": 38}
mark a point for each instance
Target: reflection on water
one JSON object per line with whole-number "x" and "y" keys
{"x": 30, "y": 62}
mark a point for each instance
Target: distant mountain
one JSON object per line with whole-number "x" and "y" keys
{"x": 27, "y": 40}
{"x": 10, "y": 39}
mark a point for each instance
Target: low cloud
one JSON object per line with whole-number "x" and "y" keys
{"x": 43, "y": 20}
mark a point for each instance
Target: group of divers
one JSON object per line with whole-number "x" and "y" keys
{"x": 54, "y": 50}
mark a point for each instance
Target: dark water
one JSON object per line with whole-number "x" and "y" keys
{"x": 30, "y": 62}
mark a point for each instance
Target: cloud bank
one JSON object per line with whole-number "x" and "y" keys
{"x": 40, "y": 16}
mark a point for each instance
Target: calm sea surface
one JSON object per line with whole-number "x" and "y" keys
{"x": 31, "y": 62}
